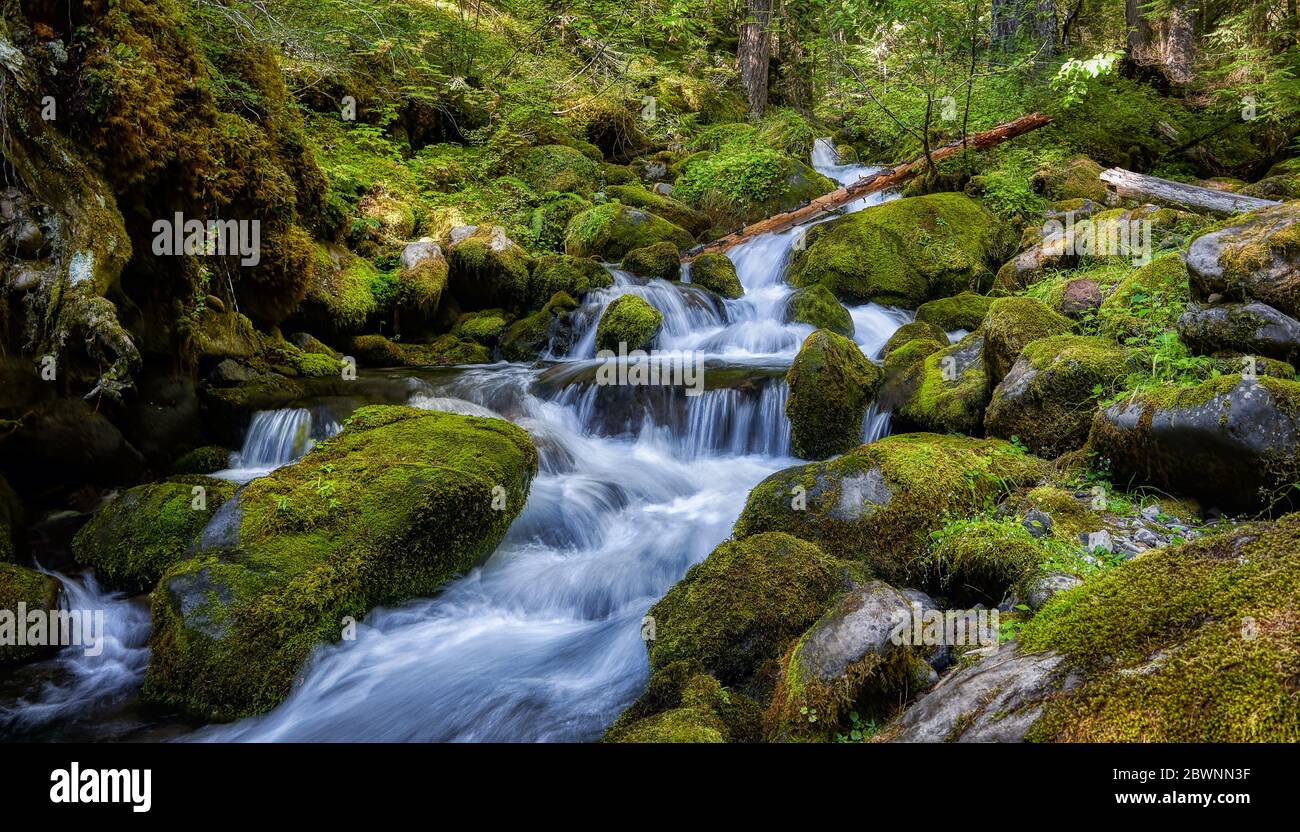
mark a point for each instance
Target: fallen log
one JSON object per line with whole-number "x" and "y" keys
{"x": 879, "y": 181}
{"x": 1125, "y": 184}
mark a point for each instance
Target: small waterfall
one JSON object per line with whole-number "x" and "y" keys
{"x": 78, "y": 686}
{"x": 276, "y": 438}
{"x": 686, "y": 311}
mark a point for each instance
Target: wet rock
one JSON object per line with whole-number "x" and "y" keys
{"x": 1256, "y": 259}
{"x": 1037, "y": 523}
{"x": 831, "y": 383}
{"x": 1251, "y": 328}
{"x": 1044, "y": 587}
{"x": 945, "y": 392}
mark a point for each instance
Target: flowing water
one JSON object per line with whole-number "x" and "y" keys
{"x": 542, "y": 642}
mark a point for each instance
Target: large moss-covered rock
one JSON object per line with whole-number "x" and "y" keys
{"x": 945, "y": 391}
{"x": 628, "y": 320}
{"x": 1256, "y": 257}
{"x": 831, "y": 383}
{"x": 1077, "y": 178}
{"x": 550, "y": 220}
{"x": 1191, "y": 643}
{"x": 611, "y": 230}
{"x": 912, "y": 331}
{"x": 740, "y": 184}
{"x": 1011, "y": 324}
{"x": 675, "y": 211}
{"x": 964, "y": 311}
{"x": 555, "y": 167}
{"x": 136, "y": 536}
{"x": 1229, "y": 441}
{"x": 37, "y": 592}
{"x": 529, "y": 337}
{"x": 740, "y": 608}
{"x": 487, "y": 269}
{"x": 818, "y": 306}
{"x": 904, "y": 252}
{"x": 378, "y": 351}
{"x": 659, "y": 260}
{"x": 1048, "y": 399}
{"x": 575, "y": 276}
{"x": 394, "y": 506}
{"x": 681, "y": 703}
{"x": 420, "y": 284}
{"x": 878, "y": 503}
{"x": 1145, "y": 301}
{"x": 716, "y": 273}
{"x": 1251, "y": 328}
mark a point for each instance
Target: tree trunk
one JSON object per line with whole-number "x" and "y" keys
{"x": 1140, "y": 35}
{"x": 1125, "y": 184}
{"x": 1004, "y": 23}
{"x": 753, "y": 54}
{"x": 1178, "y": 42}
{"x": 1043, "y": 25}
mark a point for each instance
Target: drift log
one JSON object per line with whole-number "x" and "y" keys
{"x": 882, "y": 180}
{"x": 1122, "y": 184}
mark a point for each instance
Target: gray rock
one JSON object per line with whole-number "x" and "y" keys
{"x": 1042, "y": 589}
{"x": 996, "y": 699}
{"x": 1151, "y": 512}
{"x": 1100, "y": 540}
{"x": 860, "y": 624}
{"x": 1214, "y": 264}
{"x": 663, "y": 189}
{"x": 425, "y": 249}
{"x": 1037, "y": 523}
{"x": 1252, "y": 328}
{"x": 230, "y": 372}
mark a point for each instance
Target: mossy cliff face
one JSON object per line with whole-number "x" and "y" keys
{"x": 1194, "y": 643}
{"x": 1011, "y": 324}
{"x": 878, "y": 503}
{"x": 716, "y": 273}
{"x": 1229, "y": 440}
{"x": 1255, "y": 257}
{"x": 628, "y": 320}
{"x": 1049, "y": 397}
{"x": 19, "y": 585}
{"x": 391, "y": 508}
{"x": 831, "y": 383}
{"x": 611, "y": 230}
{"x": 904, "y": 252}
{"x": 135, "y": 537}
{"x": 817, "y": 305}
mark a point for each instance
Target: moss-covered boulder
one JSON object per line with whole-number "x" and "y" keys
{"x": 202, "y": 460}
{"x": 1255, "y": 257}
{"x": 1012, "y": 323}
{"x": 847, "y": 660}
{"x": 1077, "y": 178}
{"x": 673, "y": 210}
{"x": 831, "y": 383}
{"x": 681, "y": 703}
{"x": 659, "y": 260}
{"x": 878, "y": 503}
{"x": 818, "y": 306}
{"x": 977, "y": 560}
{"x": 1146, "y": 301}
{"x": 1230, "y": 441}
{"x": 611, "y": 230}
{"x": 447, "y": 349}
{"x": 136, "y": 536}
{"x": 630, "y": 321}
{"x": 487, "y": 269}
{"x": 36, "y": 592}
{"x": 739, "y": 609}
{"x": 550, "y": 220}
{"x": 1191, "y": 643}
{"x": 574, "y": 276}
{"x": 741, "y": 184}
{"x": 420, "y": 283}
{"x": 555, "y": 167}
{"x": 944, "y": 392}
{"x": 484, "y": 327}
{"x": 964, "y": 311}
{"x": 717, "y": 273}
{"x": 912, "y": 331}
{"x": 529, "y": 337}
{"x": 341, "y": 298}
{"x": 1249, "y": 328}
{"x": 393, "y": 507}
{"x": 1048, "y": 399}
{"x": 904, "y": 252}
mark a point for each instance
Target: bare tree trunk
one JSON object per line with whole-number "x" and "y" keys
{"x": 753, "y": 54}
{"x": 1043, "y": 26}
{"x": 1140, "y": 35}
{"x": 1004, "y": 23}
{"x": 1178, "y": 42}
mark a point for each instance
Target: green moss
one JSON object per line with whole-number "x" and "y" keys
{"x": 19, "y": 585}
{"x": 949, "y": 388}
{"x": 817, "y": 305}
{"x": 914, "y": 331}
{"x": 1070, "y": 516}
{"x": 1146, "y": 302}
{"x": 689, "y": 725}
{"x": 550, "y": 219}
{"x": 528, "y": 337}
{"x": 1050, "y": 406}
{"x": 11, "y": 520}
{"x": 612, "y": 230}
{"x": 135, "y": 537}
{"x": 419, "y": 290}
{"x": 554, "y": 167}
{"x": 391, "y": 508}
{"x": 489, "y": 271}
{"x": 1078, "y": 178}
{"x": 483, "y": 327}
{"x": 574, "y": 276}
{"x": 740, "y": 183}
{"x": 830, "y": 383}
{"x": 1011, "y": 324}
{"x": 202, "y": 460}
{"x": 378, "y": 351}
{"x": 1193, "y": 643}
{"x": 980, "y": 558}
{"x": 740, "y": 607}
{"x": 675, "y": 211}
{"x": 659, "y": 260}
{"x": 717, "y": 273}
{"x": 879, "y": 502}
{"x": 964, "y": 311}
{"x": 343, "y": 285}
{"x": 905, "y": 251}
{"x": 630, "y": 321}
